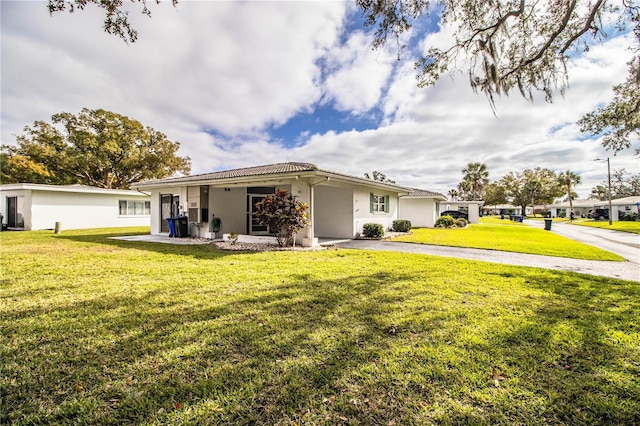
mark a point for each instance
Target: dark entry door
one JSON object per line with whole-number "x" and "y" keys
{"x": 169, "y": 205}
{"x": 255, "y": 228}
{"x": 12, "y": 207}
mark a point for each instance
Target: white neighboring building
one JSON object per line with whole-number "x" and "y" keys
{"x": 27, "y": 206}
{"x": 421, "y": 207}
{"x": 620, "y": 206}
{"x": 581, "y": 208}
{"x": 472, "y": 208}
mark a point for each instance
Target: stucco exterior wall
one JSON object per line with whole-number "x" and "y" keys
{"x": 156, "y": 210}
{"x": 340, "y": 209}
{"x": 74, "y": 210}
{"x": 422, "y": 212}
{"x": 362, "y": 213}
{"x": 25, "y": 195}
{"x": 333, "y": 211}
{"x": 81, "y": 211}
{"x": 231, "y": 207}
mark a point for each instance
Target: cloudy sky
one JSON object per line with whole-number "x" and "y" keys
{"x": 249, "y": 83}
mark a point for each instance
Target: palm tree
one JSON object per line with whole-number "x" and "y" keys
{"x": 568, "y": 179}
{"x": 476, "y": 176}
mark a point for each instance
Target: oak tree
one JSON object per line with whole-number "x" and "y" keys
{"x": 116, "y": 20}
{"x": 95, "y": 147}
{"x": 619, "y": 121}
{"x": 623, "y": 184}
{"x": 494, "y": 194}
{"x": 531, "y": 187}
{"x": 379, "y": 177}
{"x": 522, "y": 46}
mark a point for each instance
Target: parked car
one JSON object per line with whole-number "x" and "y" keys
{"x": 600, "y": 214}
{"x": 455, "y": 214}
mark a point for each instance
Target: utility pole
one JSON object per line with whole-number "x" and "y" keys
{"x": 608, "y": 186}
{"x": 609, "y": 190}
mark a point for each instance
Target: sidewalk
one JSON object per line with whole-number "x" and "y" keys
{"x": 629, "y": 271}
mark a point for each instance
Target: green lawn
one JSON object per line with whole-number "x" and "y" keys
{"x": 98, "y": 331}
{"x": 507, "y": 235}
{"x": 623, "y": 226}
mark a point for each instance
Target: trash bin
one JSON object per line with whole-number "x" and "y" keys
{"x": 172, "y": 226}
{"x": 520, "y": 219}
{"x": 182, "y": 227}
{"x": 547, "y": 224}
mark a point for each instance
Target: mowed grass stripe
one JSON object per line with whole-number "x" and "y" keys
{"x": 508, "y": 236}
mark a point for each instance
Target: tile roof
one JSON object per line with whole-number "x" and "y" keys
{"x": 270, "y": 169}
{"x": 416, "y": 192}
{"x": 278, "y": 169}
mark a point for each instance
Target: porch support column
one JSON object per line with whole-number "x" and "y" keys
{"x": 309, "y": 240}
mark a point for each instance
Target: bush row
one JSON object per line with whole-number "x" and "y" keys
{"x": 449, "y": 222}
{"x": 375, "y": 230}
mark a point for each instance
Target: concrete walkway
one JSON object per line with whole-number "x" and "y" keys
{"x": 628, "y": 270}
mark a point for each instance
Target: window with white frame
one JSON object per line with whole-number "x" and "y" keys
{"x": 134, "y": 208}
{"x": 379, "y": 203}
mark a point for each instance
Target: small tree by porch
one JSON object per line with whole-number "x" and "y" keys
{"x": 283, "y": 214}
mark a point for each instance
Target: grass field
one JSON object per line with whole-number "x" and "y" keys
{"x": 99, "y": 331}
{"x": 506, "y": 235}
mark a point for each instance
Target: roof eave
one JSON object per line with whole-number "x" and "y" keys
{"x": 269, "y": 177}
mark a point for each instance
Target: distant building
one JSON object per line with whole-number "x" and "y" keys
{"x": 620, "y": 206}
{"x": 28, "y": 206}
{"x": 505, "y": 209}
{"x": 581, "y": 208}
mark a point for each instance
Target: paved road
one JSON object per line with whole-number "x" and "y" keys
{"x": 629, "y": 270}
{"x": 624, "y": 244}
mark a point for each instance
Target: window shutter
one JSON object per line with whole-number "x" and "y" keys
{"x": 371, "y": 202}
{"x": 386, "y": 204}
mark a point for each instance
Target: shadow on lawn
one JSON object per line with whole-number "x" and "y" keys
{"x": 198, "y": 251}
{"x": 128, "y": 359}
{"x": 360, "y": 349}
{"x": 578, "y": 349}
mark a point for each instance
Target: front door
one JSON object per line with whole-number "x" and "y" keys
{"x": 15, "y": 212}
{"x": 168, "y": 208}
{"x": 254, "y": 227}
{"x": 12, "y": 204}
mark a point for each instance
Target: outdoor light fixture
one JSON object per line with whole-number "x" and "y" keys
{"x": 608, "y": 184}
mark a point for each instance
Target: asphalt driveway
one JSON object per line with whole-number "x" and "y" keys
{"x": 625, "y": 245}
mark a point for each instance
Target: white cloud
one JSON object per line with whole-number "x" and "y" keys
{"x": 431, "y": 134}
{"x": 232, "y": 67}
{"x": 358, "y": 74}
{"x": 216, "y": 75}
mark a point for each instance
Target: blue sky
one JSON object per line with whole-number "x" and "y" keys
{"x": 246, "y": 83}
